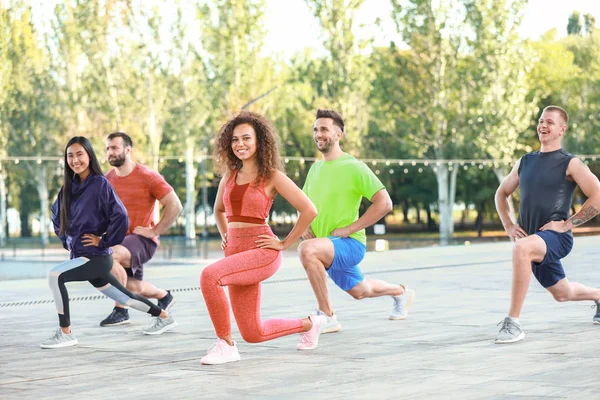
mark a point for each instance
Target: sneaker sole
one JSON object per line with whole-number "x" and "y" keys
{"x": 332, "y": 329}
{"x": 408, "y": 304}
{"x": 517, "y": 339}
{"x": 59, "y": 345}
{"x": 596, "y": 322}
{"x": 128, "y": 321}
{"x": 164, "y": 329}
{"x": 236, "y": 359}
{"x": 308, "y": 348}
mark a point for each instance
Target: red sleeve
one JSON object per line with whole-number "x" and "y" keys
{"x": 158, "y": 185}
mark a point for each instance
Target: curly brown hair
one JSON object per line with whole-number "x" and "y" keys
{"x": 267, "y": 146}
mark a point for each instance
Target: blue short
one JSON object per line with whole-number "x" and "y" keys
{"x": 558, "y": 246}
{"x": 348, "y": 253}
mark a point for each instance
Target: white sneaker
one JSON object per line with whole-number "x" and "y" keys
{"x": 58, "y": 340}
{"x": 159, "y": 325}
{"x": 332, "y": 325}
{"x": 221, "y": 353}
{"x": 402, "y": 303}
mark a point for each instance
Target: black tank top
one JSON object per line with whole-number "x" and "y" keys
{"x": 546, "y": 193}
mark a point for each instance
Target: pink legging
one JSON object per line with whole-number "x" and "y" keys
{"x": 243, "y": 269}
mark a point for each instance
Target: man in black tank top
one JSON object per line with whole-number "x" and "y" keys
{"x": 543, "y": 236}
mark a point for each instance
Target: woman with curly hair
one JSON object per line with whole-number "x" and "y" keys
{"x": 247, "y": 152}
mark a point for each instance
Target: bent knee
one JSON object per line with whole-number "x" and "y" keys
{"x": 358, "y": 295}
{"x": 520, "y": 248}
{"x": 562, "y": 296}
{"x": 252, "y": 336}
{"x": 118, "y": 269}
{"x": 209, "y": 277}
{"x": 306, "y": 251}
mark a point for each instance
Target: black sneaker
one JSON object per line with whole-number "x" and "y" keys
{"x": 597, "y": 316}
{"x": 166, "y": 302}
{"x": 118, "y": 316}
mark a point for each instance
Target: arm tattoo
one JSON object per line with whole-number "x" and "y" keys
{"x": 584, "y": 215}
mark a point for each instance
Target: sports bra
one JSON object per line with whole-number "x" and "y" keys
{"x": 246, "y": 203}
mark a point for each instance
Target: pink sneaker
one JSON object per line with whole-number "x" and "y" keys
{"x": 221, "y": 353}
{"x": 310, "y": 339}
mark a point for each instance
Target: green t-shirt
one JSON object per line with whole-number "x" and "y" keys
{"x": 336, "y": 189}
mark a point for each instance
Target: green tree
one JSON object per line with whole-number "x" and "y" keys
{"x": 574, "y": 24}
{"x": 31, "y": 117}
{"x": 500, "y": 109}
{"x": 589, "y": 24}
{"x": 342, "y": 79}
{"x": 432, "y": 77}
{"x": 5, "y": 72}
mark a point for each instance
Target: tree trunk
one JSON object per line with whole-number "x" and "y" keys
{"x": 430, "y": 223}
{"x": 42, "y": 188}
{"x": 190, "y": 195}
{"x": 452, "y": 197}
{"x": 479, "y": 219}
{"x": 419, "y": 221}
{"x": 24, "y": 213}
{"x": 446, "y": 194}
{"x": 2, "y": 208}
{"x": 501, "y": 174}
{"x": 405, "y": 208}
{"x": 112, "y": 91}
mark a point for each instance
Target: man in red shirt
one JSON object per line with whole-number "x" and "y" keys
{"x": 138, "y": 188}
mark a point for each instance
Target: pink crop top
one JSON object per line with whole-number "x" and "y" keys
{"x": 246, "y": 203}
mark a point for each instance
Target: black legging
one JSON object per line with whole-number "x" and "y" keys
{"x": 95, "y": 270}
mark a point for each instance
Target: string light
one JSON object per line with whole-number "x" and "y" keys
{"x": 465, "y": 163}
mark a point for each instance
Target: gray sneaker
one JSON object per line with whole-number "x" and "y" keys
{"x": 510, "y": 332}
{"x": 597, "y": 316}
{"x": 159, "y": 325}
{"x": 58, "y": 340}
{"x": 402, "y": 303}
{"x": 332, "y": 325}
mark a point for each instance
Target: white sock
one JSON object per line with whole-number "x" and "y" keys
{"x": 515, "y": 320}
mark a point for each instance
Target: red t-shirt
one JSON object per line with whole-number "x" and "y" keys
{"x": 139, "y": 191}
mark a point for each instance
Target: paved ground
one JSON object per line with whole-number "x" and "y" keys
{"x": 444, "y": 350}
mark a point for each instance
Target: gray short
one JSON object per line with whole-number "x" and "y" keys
{"x": 142, "y": 249}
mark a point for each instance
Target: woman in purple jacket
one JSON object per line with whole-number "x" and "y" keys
{"x": 89, "y": 218}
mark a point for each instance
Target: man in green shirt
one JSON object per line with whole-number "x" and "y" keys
{"x": 336, "y": 242}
